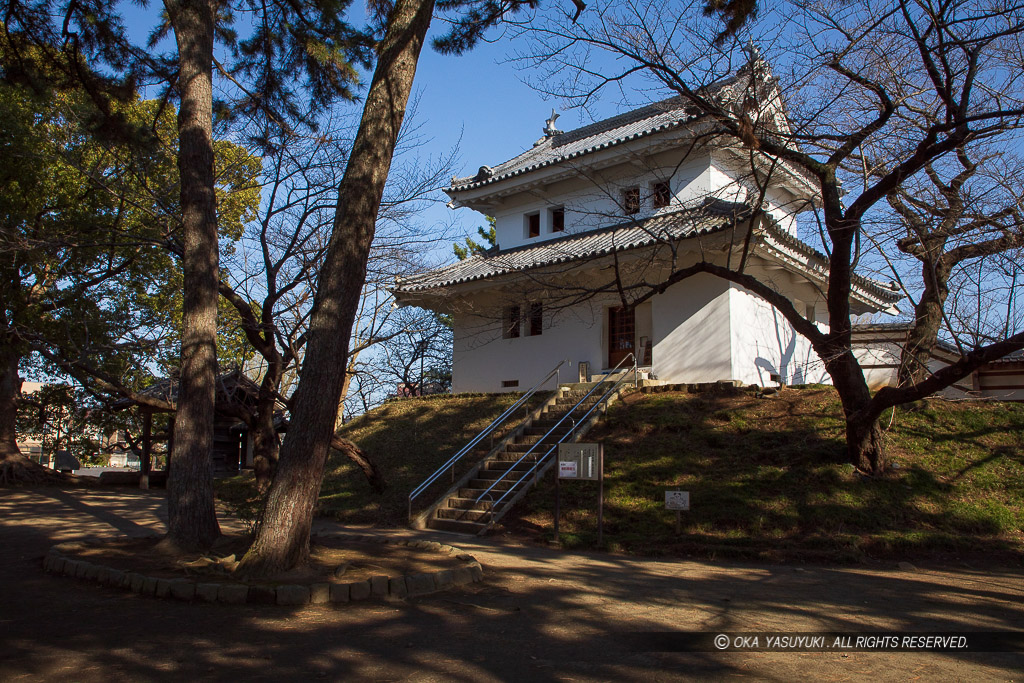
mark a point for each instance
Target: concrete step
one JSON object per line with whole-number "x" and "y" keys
{"x": 498, "y": 484}
{"x": 519, "y": 448}
{"x": 458, "y": 526}
{"x": 499, "y": 466}
{"x": 539, "y": 429}
{"x": 467, "y": 504}
{"x": 563, "y": 404}
{"x": 514, "y": 452}
{"x": 482, "y": 516}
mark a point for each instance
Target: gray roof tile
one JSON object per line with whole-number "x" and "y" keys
{"x": 663, "y": 227}
{"x": 712, "y": 217}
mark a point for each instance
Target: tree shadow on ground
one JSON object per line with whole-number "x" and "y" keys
{"x": 539, "y": 615}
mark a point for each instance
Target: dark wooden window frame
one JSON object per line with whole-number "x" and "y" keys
{"x": 511, "y": 325}
{"x": 631, "y": 201}
{"x": 558, "y": 219}
{"x": 661, "y": 194}
{"x": 536, "y": 319}
{"x": 532, "y": 225}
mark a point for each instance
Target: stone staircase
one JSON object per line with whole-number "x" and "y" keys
{"x": 459, "y": 511}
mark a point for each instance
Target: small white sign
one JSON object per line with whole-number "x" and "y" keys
{"x": 566, "y": 469}
{"x": 677, "y": 500}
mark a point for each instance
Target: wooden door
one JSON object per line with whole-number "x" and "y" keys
{"x": 621, "y": 334}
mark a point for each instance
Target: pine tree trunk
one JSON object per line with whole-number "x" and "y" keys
{"x": 192, "y": 520}
{"x": 15, "y": 468}
{"x": 282, "y": 540}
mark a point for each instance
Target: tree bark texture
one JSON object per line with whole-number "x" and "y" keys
{"x": 10, "y": 388}
{"x": 864, "y": 443}
{"x": 282, "y": 539}
{"x": 917, "y": 352}
{"x": 264, "y": 443}
{"x": 15, "y": 467}
{"x": 192, "y": 520}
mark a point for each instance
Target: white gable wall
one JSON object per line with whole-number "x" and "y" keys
{"x": 729, "y": 174}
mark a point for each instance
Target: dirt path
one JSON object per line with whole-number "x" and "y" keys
{"x": 540, "y": 615}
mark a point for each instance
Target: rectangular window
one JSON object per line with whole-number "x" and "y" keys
{"x": 661, "y": 195}
{"x": 631, "y": 200}
{"x": 557, "y": 220}
{"x": 536, "y": 319}
{"x": 533, "y": 225}
{"x": 512, "y": 322}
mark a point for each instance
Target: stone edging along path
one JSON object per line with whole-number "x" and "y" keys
{"x": 387, "y": 587}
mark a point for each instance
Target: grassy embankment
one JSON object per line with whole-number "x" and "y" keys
{"x": 767, "y": 477}
{"x": 408, "y": 439}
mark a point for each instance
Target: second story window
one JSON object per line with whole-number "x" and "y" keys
{"x": 661, "y": 195}
{"x": 536, "y": 319}
{"x": 511, "y": 322}
{"x": 533, "y": 225}
{"x": 631, "y": 201}
{"x": 557, "y": 220}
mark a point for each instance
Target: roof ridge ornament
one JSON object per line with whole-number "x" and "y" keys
{"x": 549, "y": 127}
{"x": 753, "y": 51}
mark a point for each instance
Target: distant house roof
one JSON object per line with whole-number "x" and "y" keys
{"x": 898, "y": 331}
{"x": 233, "y": 387}
{"x": 712, "y": 217}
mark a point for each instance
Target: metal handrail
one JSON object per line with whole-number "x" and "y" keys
{"x": 480, "y": 437}
{"x": 568, "y": 413}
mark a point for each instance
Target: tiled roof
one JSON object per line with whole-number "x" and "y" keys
{"x": 665, "y": 227}
{"x": 561, "y": 147}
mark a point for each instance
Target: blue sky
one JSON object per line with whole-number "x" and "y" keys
{"x": 475, "y": 101}
{"x": 479, "y": 102}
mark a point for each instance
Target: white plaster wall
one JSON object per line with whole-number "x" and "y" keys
{"x": 880, "y": 361}
{"x": 482, "y": 359}
{"x": 690, "y": 325}
{"x": 591, "y": 200}
{"x": 764, "y": 343}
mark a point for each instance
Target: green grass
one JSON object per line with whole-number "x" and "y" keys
{"x": 408, "y": 439}
{"x": 768, "y": 477}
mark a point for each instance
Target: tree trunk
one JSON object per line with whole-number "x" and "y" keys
{"x": 264, "y": 437}
{"x": 864, "y": 443}
{"x": 282, "y": 540}
{"x": 10, "y": 388}
{"x": 917, "y": 352}
{"x": 192, "y": 520}
{"x": 354, "y": 453}
{"x": 15, "y": 468}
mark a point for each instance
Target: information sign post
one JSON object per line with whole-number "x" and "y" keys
{"x": 581, "y": 461}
